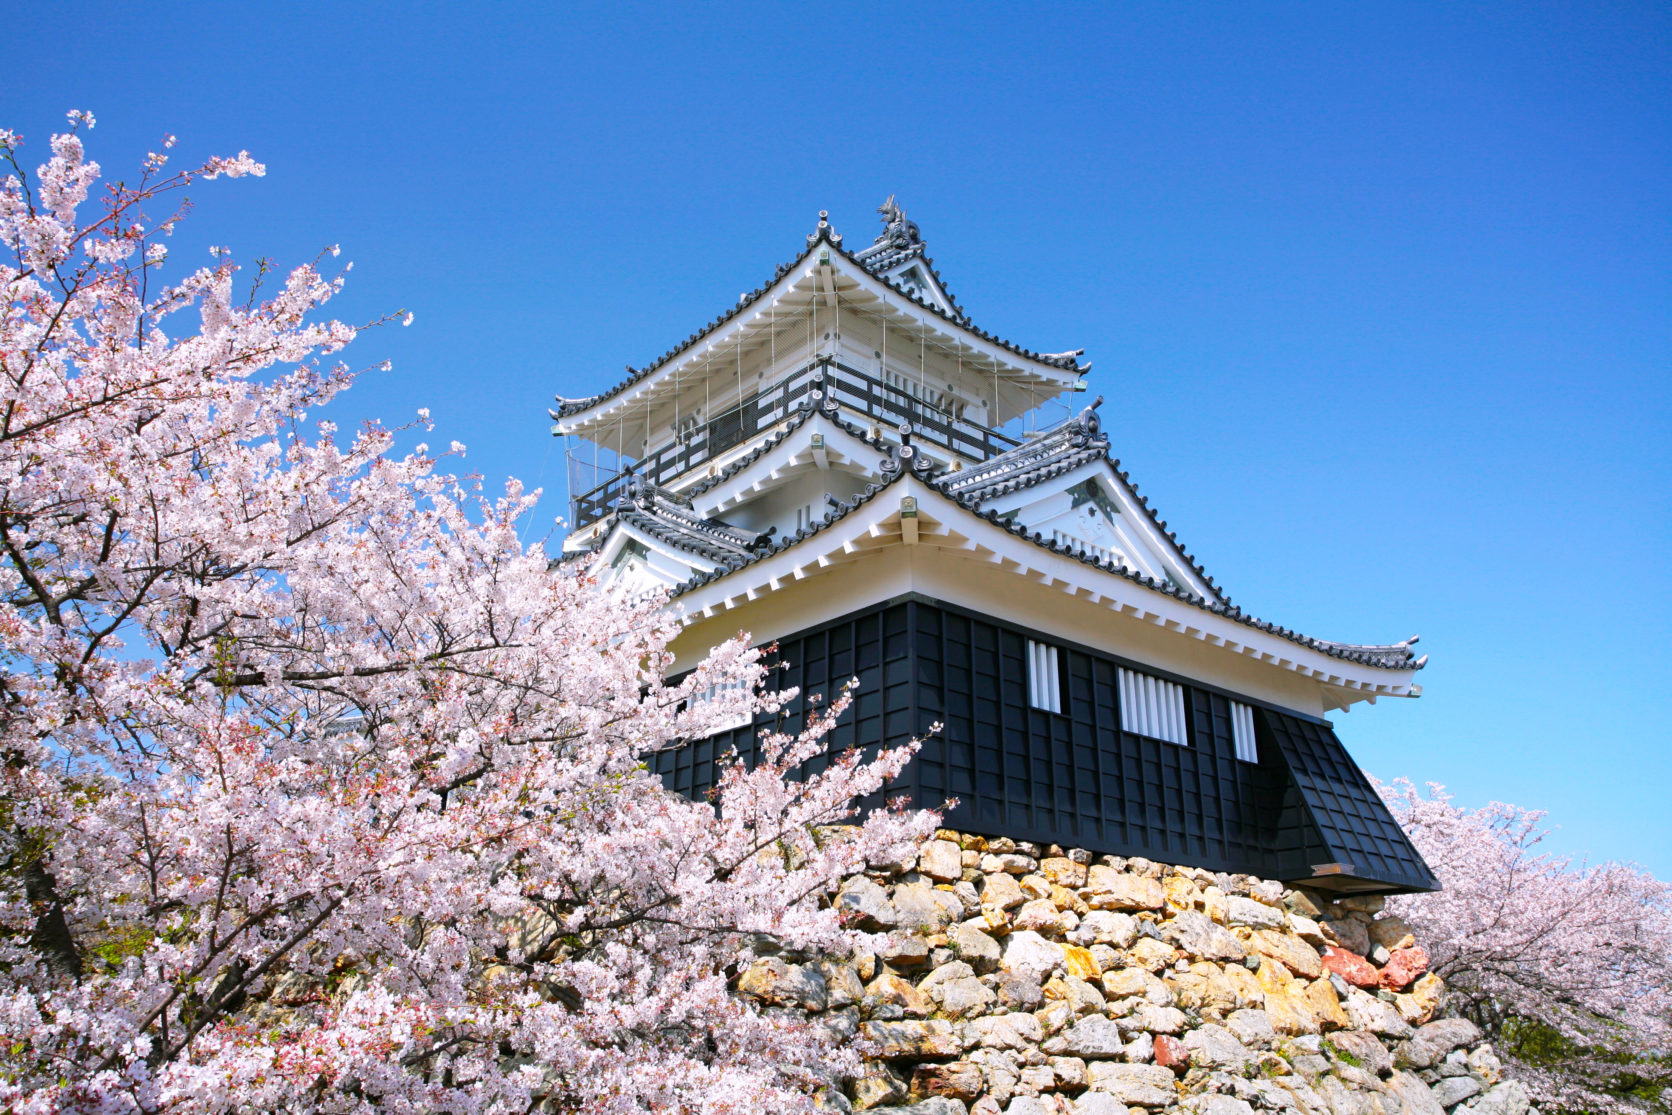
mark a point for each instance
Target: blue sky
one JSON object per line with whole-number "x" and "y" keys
{"x": 1379, "y": 295}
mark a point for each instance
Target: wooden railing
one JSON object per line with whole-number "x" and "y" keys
{"x": 852, "y": 390}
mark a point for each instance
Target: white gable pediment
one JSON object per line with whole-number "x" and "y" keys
{"x": 818, "y": 444}
{"x": 1091, "y": 510}
{"x": 916, "y": 280}
{"x": 633, "y": 562}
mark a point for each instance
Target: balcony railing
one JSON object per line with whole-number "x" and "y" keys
{"x": 852, "y": 390}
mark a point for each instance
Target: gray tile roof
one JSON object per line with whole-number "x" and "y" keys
{"x": 824, "y": 234}
{"x": 1396, "y": 656}
{"x": 671, "y": 518}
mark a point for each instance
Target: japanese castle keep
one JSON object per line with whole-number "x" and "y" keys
{"x": 837, "y": 465}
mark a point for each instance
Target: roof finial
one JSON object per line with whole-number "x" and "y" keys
{"x": 824, "y": 231}
{"x": 896, "y": 228}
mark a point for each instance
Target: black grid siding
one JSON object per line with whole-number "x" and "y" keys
{"x": 871, "y": 646}
{"x": 1076, "y": 778}
{"x": 1073, "y": 778}
{"x": 1349, "y": 823}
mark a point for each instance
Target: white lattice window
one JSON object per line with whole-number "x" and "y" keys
{"x": 1242, "y": 732}
{"x": 1044, "y": 677}
{"x": 725, "y": 690}
{"x": 1152, "y": 707}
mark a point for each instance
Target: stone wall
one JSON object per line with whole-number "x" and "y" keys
{"x": 1031, "y": 980}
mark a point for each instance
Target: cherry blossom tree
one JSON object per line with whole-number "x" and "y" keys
{"x": 320, "y": 791}
{"x": 1566, "y": 964}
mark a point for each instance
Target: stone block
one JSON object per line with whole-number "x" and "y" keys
{"x": 1181, "y": 893}
{"x": 1454, "y": 1090}
{"x": 921, "y": 906}
{"x": 1392, "y": 932}
{"x": 1170, "y": 1053}
{"x": 957, "y": 1079}
{"x": 1070, "y": 1072}
{"x": 1197, "y": 935}
{"x": 974, "y": 947}
{"x": 1018, "y": 1030}
{"x": 1403, "y": 968}
{"x": 1149, "y": 1085}
{"x": 1430, "y": 1044}
{"x": 1326, "y": 1005}
{"x": 1106, "y": 927}
{"x": 1215, "y": 1105}
{"x": 1109, "y": 889}
{"x": 1093, "y": 1037}
{"x": 1042, "y": 916}
{"x": 861, "y": 901}
{"x": 1027, "y": 951}
{"x": 1099, "y": 1103}
{"x": 1349, "y": 934}
{"x": 1508, "y": 1098}
{"x": 1018, "y": 990}
{"x": 877, "y": 1085}
{"x": 1289, "y": 950}
{"x": 1369, "y": 1013}
{"x": 941, "y": 860}
{"x": 780, "y": 984}
{"x": 1080, "y": 963}
{"x": 842, "y": 982}
{"x": 1426, "y": 993}
{"x": 1156, "y": 1019}
{"x": 958, "y": 995}
{"x": 905, "y": 949}
{"x": 1351, "y": 967}
{"x": 929, "y": 1040}
{"x": 934, "y": 1105}
{"x": 1251, "y": 1026}
{"x": 1217, "y": 1047}
{"x": 1255, "y": 915}
{"x": 1308, "y": 930}
{"x": 1062, "y": 871}
{"x": 1361, "y": 1050}
{"x": 889, "y": 996}
{"x": 1418, "y": 1099}
{"x": 1151, "y": 955}
{"x": 1000, "y": 892}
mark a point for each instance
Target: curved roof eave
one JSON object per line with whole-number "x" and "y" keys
{"x": 1393, "y": 656}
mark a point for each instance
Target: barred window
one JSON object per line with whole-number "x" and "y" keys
{"x": 1242, "y": 732}
{"x": 716, "y": 692}
{"x": 1152, "y": 707}
{"x": 1044, "y": 677}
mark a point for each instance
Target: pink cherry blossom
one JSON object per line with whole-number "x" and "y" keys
{"x": 1520, "y": 934}
{"x": 321, "y": 792}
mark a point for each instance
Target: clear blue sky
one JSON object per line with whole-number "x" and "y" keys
{"x": 1380, "y": 295}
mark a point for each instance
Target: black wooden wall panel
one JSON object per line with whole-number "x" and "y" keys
{"x": 1073, "y": 778}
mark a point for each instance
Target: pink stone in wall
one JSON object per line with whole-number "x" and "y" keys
{"x": 1351, "y": 967}
{"x": 1170, "y": 1053}
{"x": 1404, "y": 966}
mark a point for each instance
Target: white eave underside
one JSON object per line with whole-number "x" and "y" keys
{"x": 943, "y": 524}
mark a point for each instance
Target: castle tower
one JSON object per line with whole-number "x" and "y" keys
{"x": 845, "y": 465}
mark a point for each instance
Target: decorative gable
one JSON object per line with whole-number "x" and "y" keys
{"x": 1063, "y": 487}
{"x": 898, "y": 256}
